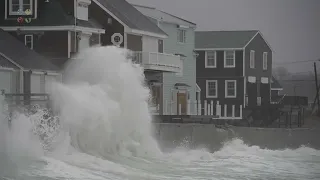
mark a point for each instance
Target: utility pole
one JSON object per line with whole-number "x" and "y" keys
{"x": 317, "y": 87}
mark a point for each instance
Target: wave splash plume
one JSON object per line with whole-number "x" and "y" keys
{"x": 102, "y": 130}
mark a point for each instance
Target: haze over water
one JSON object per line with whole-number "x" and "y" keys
{"x": 104, "y": 131}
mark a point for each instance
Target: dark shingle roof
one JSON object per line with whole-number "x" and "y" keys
{"x": 275, "y": 84}
{"x": 223, "y": 39}
{"x": 130, "y": 16}
{"x": 22, "y": 55}
{"x": 4, "y": 62}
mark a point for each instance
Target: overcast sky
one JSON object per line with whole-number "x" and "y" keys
{"x": 291, "y": 27}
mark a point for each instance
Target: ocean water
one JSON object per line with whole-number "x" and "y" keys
{"x": 103, "y": 131}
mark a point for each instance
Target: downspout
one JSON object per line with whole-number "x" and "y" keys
{"x": 75, "y": 24}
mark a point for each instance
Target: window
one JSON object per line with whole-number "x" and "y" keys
{"x": 252, "y": 59}
{"x": 229, "y": 59}
{"x": 19, "y": 7}
{"x": 211, "y": 88}
{"x": 265, "y": 61}
{"x": 28, "y": 41}
{"x": 181, "y": 36}
{"x": 210, "y": 59}
{"x": 230, "y": 88}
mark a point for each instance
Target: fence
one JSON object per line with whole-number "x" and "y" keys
{"x": 206, "y": 108}
{"x": 25, "y": 102}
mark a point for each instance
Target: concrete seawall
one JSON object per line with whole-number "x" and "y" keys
{"x": 205, "y": 135}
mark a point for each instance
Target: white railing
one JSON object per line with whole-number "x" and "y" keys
{"x": 157, "y": 61}
{"x": 208, "y": 108}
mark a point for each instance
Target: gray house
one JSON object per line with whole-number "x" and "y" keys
{"x": 176, "y": 92}
{"x": 234, "y": 68}
{"x": 22, "y": 70}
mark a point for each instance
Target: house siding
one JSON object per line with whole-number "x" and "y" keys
{"x": 188, "y": 77}
{"x": 221, "y": 74}
{"x": 237, "y": 101}
{"x": 134, "y": 42}
{"x": 52, "y": 44}
{"x": 220, "y": 70}
{"x": 101, "y": 17}
{"x": 259, "y": 45}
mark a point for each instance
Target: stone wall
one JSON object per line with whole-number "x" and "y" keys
{"x": 212, "y": 137}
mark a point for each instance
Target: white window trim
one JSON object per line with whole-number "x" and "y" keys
{"x": 21, "y": 7}
{"x": 207, "y": 88}
{"x": 234, "y": 60}
{"x": 25, "y": 40}
{"x": 206, "y": 60}
{"x": 185, "y": 35}
{"x": 265, "y": 61}
{"x": 226, "y": 88}
{"x": 252, "y": 59}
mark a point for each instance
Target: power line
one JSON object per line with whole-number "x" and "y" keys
{"x": 296, "y": 62}
{"x": 297, "y": 80}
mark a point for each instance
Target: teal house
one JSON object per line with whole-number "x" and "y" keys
{"x": 174, "y": 93}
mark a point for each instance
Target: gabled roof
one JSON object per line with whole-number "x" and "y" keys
{"x": 163, "y": 16}
{"x": 17, "y": 53}
{"x": 223, "y": 39}
{"x": 130, "y": 16}
{"x": 275, "y": 84}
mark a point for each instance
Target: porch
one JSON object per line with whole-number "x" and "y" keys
{"x": 157, "y": 61}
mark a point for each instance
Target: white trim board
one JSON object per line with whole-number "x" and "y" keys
{"x": 252, "y": 79}
{"x": 225, "y": 59}
{"x": 216, "y": 83}
{"x": 226, "y": 88}
{"x": 53, "y": 28}
{"x": 10, "y": 60}
{"x": 198, "y": 89}
{"x": 7, "y": 69}
{"x": 276, "y": 89}
{"x": 206, "y": 60}
{"x": 146, "y": 33}
{"x": 244, "y": 78}
{"x": 262, "y": 38}
{"x": 264, "y": 80}
{"x": 217, "y": 49}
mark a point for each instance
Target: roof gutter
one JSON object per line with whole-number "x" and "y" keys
{"x": 140, "y": 32}
{"x": 53, "y": 28}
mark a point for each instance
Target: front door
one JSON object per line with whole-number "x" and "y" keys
{"x": 182, "y": 99}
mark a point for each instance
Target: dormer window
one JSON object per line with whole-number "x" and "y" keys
{"x": 19, "y": 7}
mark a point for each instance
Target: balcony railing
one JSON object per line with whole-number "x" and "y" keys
{"x": 157, "y": 61}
